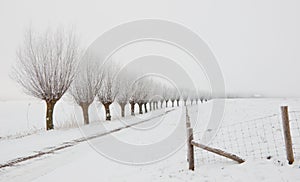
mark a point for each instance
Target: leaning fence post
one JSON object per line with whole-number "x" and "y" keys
{"x": 190, "y": 149}
{"x": 287, "y": 134}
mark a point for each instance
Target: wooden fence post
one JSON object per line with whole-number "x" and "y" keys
{"x": 287, "y": 134}
{"x": 187, "y": 125}
{"x": 190, "y": 149}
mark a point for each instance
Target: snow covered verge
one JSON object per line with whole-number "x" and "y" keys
{"x": 83, "y": 163}
{"x": 44, "y": 141}
{"x": 25, "y": 117}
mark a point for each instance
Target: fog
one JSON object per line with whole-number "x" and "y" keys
{"x": 256, "y": 43}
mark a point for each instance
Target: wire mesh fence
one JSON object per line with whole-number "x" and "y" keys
{"x": 253, "y": 139}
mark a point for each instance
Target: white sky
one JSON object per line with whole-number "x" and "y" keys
{"x": 256, "y": 42}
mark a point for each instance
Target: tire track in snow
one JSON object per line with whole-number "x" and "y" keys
{"x": 72, "y": 143}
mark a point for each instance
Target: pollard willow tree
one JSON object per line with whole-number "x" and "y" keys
{"x": 185, "y": 95}
{"x": 134, "y": 96}
{"x": 166, "y": 95}
{"x": 148, "y": 93}
{"x": 124, "y": 92}
{"x": 141, "y": 94}
{"x": 87, "y": 83}
{"x": 156, "y": 95}
{"x": 174, "y": 96}
{"x": 46, "y": 66}
{"x": 109, "y": 88}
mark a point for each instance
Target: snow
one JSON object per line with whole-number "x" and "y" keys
{"x": 84, "y": 163}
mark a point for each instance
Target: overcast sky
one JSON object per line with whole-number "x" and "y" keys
{"x": 256, "y": 42}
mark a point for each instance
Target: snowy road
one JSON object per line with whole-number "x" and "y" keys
{"x": 83, "y": 162}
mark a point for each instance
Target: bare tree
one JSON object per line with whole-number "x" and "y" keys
{"x": 156, "y": 92}
{"x": 185, "y": 96}
{"x": 46, "y": 66}
{"x": 136, "y": 95}
{"x": 87, "y": 84}
{"x": 166, "y": 94}
{"x": 192, "y": 99}
{"x": 124, "y": 92}
{"x": 109, "y": 88}
{"x": 197, "y": 96}
{"x": 174, "y": 96}
{"x": 148, "y": 91}
{"x": 177, "y": 98}
{"x": 141, "y": 95}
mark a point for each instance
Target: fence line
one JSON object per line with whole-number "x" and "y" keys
{"x": 252, "y": 139}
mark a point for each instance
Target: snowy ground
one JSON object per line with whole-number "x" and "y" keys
{"x": 83, "y": 162}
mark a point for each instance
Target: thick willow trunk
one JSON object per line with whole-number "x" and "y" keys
{"x": 49, "y": 114}
{"x": 172, "y": 103}
{"x": 161, "y": 104}
{"x": 166, "y": 103}
{"x": 140, "y": 108}
{"x": 122, "y": 105}
{"x": 185, "y": 103}
{"x": 132, "y": 108}
{"x": 107, "y": 111}
{"x": 145, "y": 107}
{"x": 177, "y": 103}
{"x": 85, "y": 112}
{"x": 150, "y": 106}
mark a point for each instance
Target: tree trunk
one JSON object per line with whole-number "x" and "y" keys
{"x": 191, "y": 102}
{"x": 85, "y": 112}
{"x": 122, "y": 105}
{"x": 150, "y": 106}
{"x": 166, "y": 103}
{"x": 196, "y": 101}
{"x": 172, "y": 103}
{"x": 145, "y": 107}
{"x": 49, "y": 114}
{"x": 177, "y": 103}
{"x": 107, "y": 111}
{"x": 132, "y": 108}
{"x": 185, "y": 103}
{"x": 140, "y": 108}
{"x": 161, "y": 104}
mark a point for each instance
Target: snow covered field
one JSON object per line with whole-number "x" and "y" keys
{"x": 83, "y": 162}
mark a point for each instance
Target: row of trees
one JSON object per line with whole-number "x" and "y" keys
{"x": 51, "y": 64}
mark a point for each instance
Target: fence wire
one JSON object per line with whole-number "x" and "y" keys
{"x": 253, "y": 139}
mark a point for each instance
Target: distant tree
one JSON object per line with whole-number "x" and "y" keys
{"x": 166, "y": 94}
{"x": 161, "y": 102}
{"x": 148, "y": 91}
{"x": 87, "y": 84}
{"x": 133, "y": 97}
{"x": 177, "y": 98}
{"x": 173, "y": 97}
{"x": 109, "y": 89}
{"x": 46, "y": 66}
{"x": 124, "y": 92}
{"x": 155, "y": 92}
{"x": 185, "y": 96}
{"x": 197, "y": 97}
{"x": 141, "y": 95}
{"x": 193, "y": 97}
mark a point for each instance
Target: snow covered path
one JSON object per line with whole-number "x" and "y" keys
{"x": 46, "y": 163}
